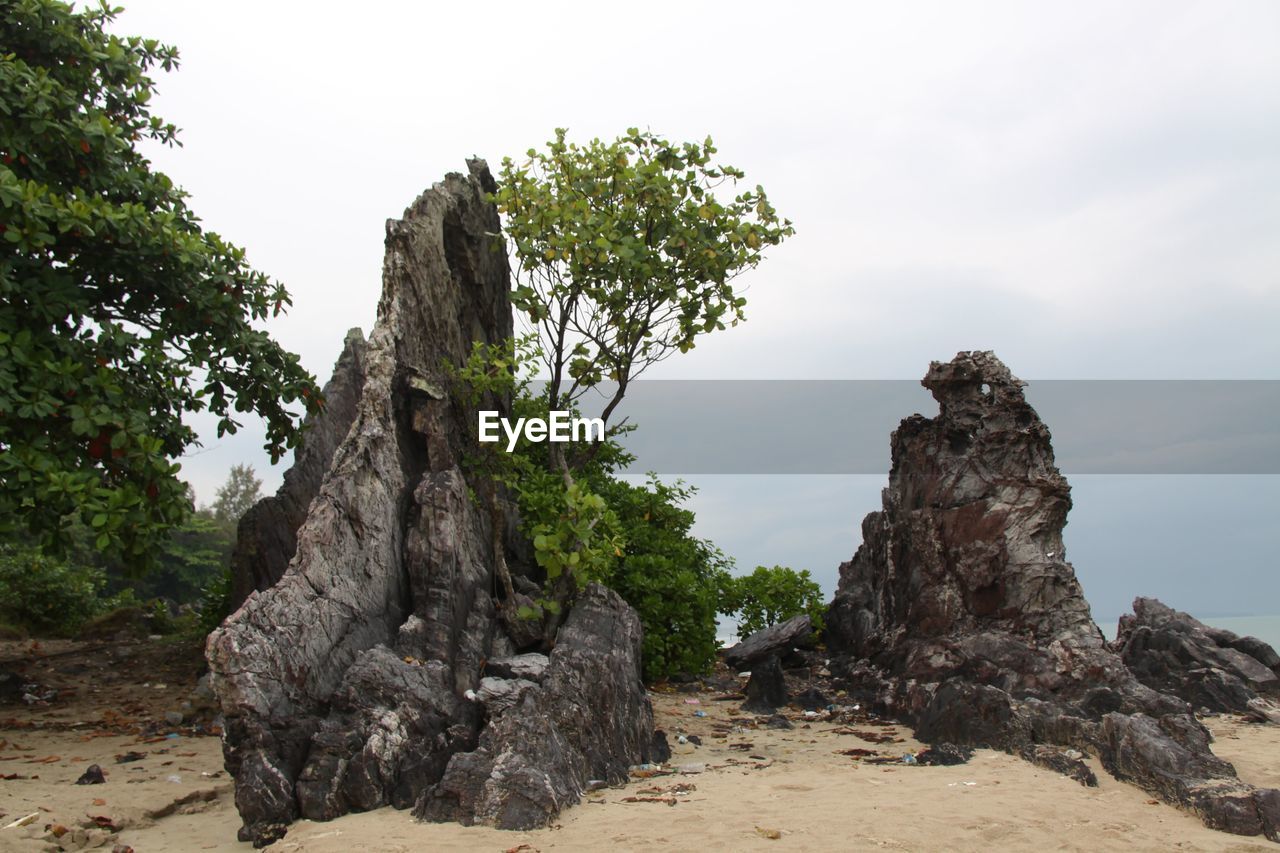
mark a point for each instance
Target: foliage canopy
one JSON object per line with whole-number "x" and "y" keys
{"x": 625, "y": 252}
{"x": 120, "y": 313}
{"x": 48, "y": 594}
{"x": 241, "y": 491}
{"x": 770, "y": 595}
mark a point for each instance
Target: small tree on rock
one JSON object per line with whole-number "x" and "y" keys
{"x": 624, "y": 253}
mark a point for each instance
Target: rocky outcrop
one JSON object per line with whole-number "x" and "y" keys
{"x": 1172, "y": 652}
{"x": 586, "y": 720}
{"x": 266, "y": 537}
{"x": 776, "y": 639}
{"x": 354, "y": 680}
{"x": 960, "y": 616}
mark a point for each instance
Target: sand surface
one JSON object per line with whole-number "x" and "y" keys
{"x": 758, "y": 789}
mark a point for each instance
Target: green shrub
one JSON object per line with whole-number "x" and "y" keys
{"x": 768, "y": 596}
{"x": 594, "y": 526}
{"x": 669, "y": 576}
{"x": 215, "y": 602}
{"x": 47, "y": 595}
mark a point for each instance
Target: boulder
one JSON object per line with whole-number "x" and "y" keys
{"x": 944, "y": 755}
{"x": 1068, "y": 762}
{"x": 772, "y": 640}
{"x": 352, "y": 681}
{"x": 767, "y": 688}
{"x": 11, "y": 686}
{"x": 960, "y": 615}
{"x": 1173, "y": 652}
{"x": 812, "y": 699}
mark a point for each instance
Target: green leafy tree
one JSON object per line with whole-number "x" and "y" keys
{"x": 624, "y": 253}
{"x": 768, "y": 596}
{"x": 194, "y": 555}
{"x": 120, "y": 313}
{"x": 234, "y": 497}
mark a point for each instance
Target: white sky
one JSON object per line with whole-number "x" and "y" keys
{"x": 1090, "y": 189}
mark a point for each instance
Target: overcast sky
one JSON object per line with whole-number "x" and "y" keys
{"x": 1090, "y": 189}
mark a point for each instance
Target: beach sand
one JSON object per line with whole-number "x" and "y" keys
{"x": 761, "y": 789}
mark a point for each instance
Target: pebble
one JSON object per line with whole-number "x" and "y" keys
{"x": 92, "y": 776}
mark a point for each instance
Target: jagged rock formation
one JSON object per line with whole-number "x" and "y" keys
{"x": 355, "y": 681}
{"x": 1173, "y": 652}
{"x": 960, "y": 616}
{"x": 266, "y": 537}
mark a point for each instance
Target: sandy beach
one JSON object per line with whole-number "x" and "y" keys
{"x": 758, "y": 788}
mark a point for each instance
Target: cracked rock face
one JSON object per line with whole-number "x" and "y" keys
{"x": 352, "y": 681}
{"x": 585, "y": 720}
{"x": 960, "y": 615}
{"x": 1170, "y": 651}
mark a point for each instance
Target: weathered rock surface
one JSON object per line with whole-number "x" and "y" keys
{"x": 266, "y": 537}
{"x": 499, "y": 694}
{"x": 531, "y": 666}
{"x": 776, "y": 639}
{"x": 588, "y": 719}
{"x": 944, "y": 755}
{"x": 767, "y": 688}
{"x": 960, "y": 616}
{"x": 811, "y": 699}
{"x": 1172, "y": 652}
{"x": 352, "y": 681}
{"x": 1068, "y": 762}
